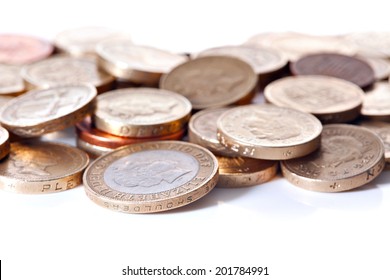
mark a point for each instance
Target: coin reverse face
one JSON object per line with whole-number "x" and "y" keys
{"x": 151, "y": 177}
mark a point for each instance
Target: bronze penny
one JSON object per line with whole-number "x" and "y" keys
{"x": 335, "y": 65}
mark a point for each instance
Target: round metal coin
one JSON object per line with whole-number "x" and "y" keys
{"x": 11, "y": 83}
{"x": 376, "y": 102}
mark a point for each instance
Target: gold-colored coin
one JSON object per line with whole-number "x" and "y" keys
{"x": 141, "y": 112}
{"x": 241, "y": 172}
{"x": 212, "y": 81}
{"x": 11, "y": 83}
{"x": 151, "y": 177}
{"x": 382, "y": 129}
{"x": 269, "y": 132}
{"x": 350, "y": 156}
{"x": 262, "y": 60}
{"x": 83, "y": 41}
{"x": 202, "y": 130}
{"x": 42, "y": 167}
{"x": 4, "y": 142}
{"x": 42, "y": 111}
{"x": 60, "y": 70}
{"x": 137, "y": 64}
{"x": 331, "y": 100}
{"x": 376, "y": 102}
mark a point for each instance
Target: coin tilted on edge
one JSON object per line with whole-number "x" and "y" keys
{"x": 141, "y": 112}
{"x": 269, "y": 132}
{"x": 212, "y": 81}
{"x": 151, "y": 177}
{"x": 241, "y": 172}
{"x": 349, "y": 157}
{"x": 330, "y": 99}
{"x": 42, "y": 111}
{"x": 42, "y": 167}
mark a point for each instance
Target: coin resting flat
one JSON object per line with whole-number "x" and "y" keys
{"x": 42, "y": 167}
{"x": 382, "y": 129}
{"x": 151, "y": 177}
{"x": 376, "y": 102}
{"x": 269, "y": 132}
{"x": 11, "y": 83}
{"x": 349, "y": 157}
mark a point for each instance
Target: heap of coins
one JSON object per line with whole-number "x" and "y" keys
{"x": 317, "y": 106}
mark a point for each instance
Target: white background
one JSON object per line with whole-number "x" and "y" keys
{"x": 297, "y": 234}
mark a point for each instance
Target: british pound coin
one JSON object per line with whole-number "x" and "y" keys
{"x": 141, "y": 112}
{"x": 370, "y": 44}
{"x": 18, "y": 49}
{"x": 42, "y": 167}
{"x": 269, "y": 132}
{"x": 349, "y": 157}
{"x": 242, "y": 172}
{"x": 202, "y": 130}
{"x": 11, "y": 83}
{"x": 330, "y": 99}
{"x": 62, "y": 70}
{"x": 137, "y": 64}
{"x": 382, "y": 129}
{"x": 212, "y": 81}
{"x": 335, "y": 65}
{"x": 151, "y": 177}
{"x": 4, "y": 142}
{"x": 42, "y": 111}
{"x": 83, "y": 41}
{"x": 376, "y": 102}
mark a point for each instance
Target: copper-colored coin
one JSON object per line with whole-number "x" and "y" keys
{"x": 137, "y": 64}
{"x": 62, "y": 70}
{"x": 90, "y": 134}
{"x": 381, "y": 67}
{"x": 241, "y": 172}
{"x": 269, "y": 132}
{"x": 11, "y": 83}
{"x": 212, "y": 81}
{"x": 4, "y": 142}
{"x": 83, "y": 41}
{"x": 371, "y": 44}
{"x": 382, "y": 129}
{"x": 202, "y": 130}
{"x": 349, "y": 157}
{"x": 42, "y": 111}
{"x": 330, "y": 99}
{"x": 21, "y": 49}
{"x": 376, "y": 102}
{"x": 141, "y": 112}
{"x": 42, "y": 167}
{"x": 151, "y": 177}
{"x": 262, "y": 60}
{"x": 296, "y": 45}
{"x": 335, "y": 65}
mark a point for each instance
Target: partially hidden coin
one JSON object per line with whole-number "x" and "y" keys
{"x": 370, "y": 44}
{"x": 241, "y": 172}
{"x": 82, "y": 41}
{"x": 137, "y": 64}
{"x": 335, "y": 65}
{"x": 141, "y": 112}
{"x": 87, "y": 132}
{"x": 4, "y": 142}
{"x": 151, "y": 177}
{"x": 381, "y": 67}
{"x": 61, "y": 70}
{"x": 376, "y": 102}
{"x": 4, "y": 100}
{"x": 212, "y": 81}
{"x": 269, "y": 132}
{"x": 17, "y": 49}
{"x": 42, "y": 111}
{"x": 331, "y": 100}
{"x": 202, "y": 130}
{"x": 92, "y": 150}
{"x": 349, "y": 157}
{"x": 36, "y": 167}
{"x": 11, "y": 82}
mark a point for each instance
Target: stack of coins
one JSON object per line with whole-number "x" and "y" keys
{"x": 133, "y": 115}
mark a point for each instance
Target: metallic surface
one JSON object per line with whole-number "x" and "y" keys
{"x": 381, "y": 67}
{"x": 376, "y": 102}
{"x": 370, "y": 44}
{"x": 4, "y": 142}
{"x": 382, "y": 129}
{"x": 11, "y": 83}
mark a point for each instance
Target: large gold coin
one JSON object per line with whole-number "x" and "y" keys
{"x": 269, "y": 132}
{"x": 330, "y": 99}
{"x": 141, "y": 112}
{"x": 42, "y": 111}
{"x": 212, "y": 81}
{"x": 151, "y": 177}
{"x": 42, "y": 167}
{"x": 350, "y": 156}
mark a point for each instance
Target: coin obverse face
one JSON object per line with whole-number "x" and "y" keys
{"x": 151, "y": 177}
